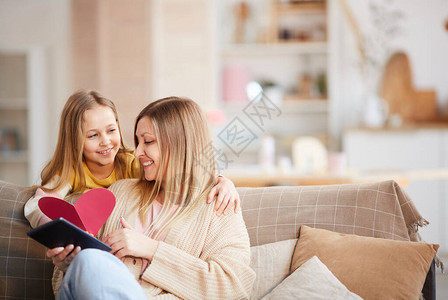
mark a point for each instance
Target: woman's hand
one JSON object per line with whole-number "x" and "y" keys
{"x": 62, "y": 257}
{"x": 128, "y": 242}
{"x": 227, "y": 198}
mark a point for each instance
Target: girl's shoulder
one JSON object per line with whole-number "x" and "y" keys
{"x": 132, "y": 164}
{"x": 126, "y": 156}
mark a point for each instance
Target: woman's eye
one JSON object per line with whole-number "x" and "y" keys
{"x": 92, "y": 135}
{"x": 112, "y": 129}
{"x": 148, "y": 142}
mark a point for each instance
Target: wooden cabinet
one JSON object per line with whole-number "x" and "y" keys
{"x": 414, "y": 150}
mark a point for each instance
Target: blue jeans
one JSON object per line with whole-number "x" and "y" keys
{"x": 97, "y": 274}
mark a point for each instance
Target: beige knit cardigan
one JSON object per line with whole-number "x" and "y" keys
{"x": 203, "y": 257}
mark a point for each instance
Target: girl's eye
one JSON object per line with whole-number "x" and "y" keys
{"x": 92, "y": 135}
{"x": 112, "y": 130}
{"x": 148, "y": 142}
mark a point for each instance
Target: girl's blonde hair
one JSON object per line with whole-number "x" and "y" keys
{"x": 187, "y": 164}
{"x": 68, "y": 155}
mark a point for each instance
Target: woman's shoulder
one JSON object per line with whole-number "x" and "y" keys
{"x": 123, "y": 186}
{"x": 207, "y": 210}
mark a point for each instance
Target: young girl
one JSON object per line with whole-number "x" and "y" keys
{"x": 90, "y": 153}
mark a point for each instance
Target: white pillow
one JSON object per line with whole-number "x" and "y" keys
{"x": 312, "y": 280}
{"x": 271, "y": 262}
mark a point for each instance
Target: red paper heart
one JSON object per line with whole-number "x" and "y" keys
{"x": 89, "y": 213}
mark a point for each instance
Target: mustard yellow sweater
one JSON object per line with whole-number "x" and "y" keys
{"x": 32, "y": 211}
{"x": 202, "y": 257}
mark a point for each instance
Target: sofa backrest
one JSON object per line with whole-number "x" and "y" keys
{"x": 379, "y": 209}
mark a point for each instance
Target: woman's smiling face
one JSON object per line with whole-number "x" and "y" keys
{"x": 147, "y": 150}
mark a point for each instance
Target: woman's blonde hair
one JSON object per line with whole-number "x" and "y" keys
{"x": 187, "y": 164}
{"x": 68, "y": 155}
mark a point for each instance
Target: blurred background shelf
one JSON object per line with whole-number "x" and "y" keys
{"x": 300, "y": 7}
{"x": 275, "y": 49}
{"x": 289, "y": 106}
{"x": 13, "y": 157}
{"x": 13, "y": 104}
{"x": 283, "y": 46}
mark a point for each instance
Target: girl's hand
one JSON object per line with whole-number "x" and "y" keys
{"x": 128, "y": 242}
{"x": 227, "y": 198}
{"x": 62, "y": 257}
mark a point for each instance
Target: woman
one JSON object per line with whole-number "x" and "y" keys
{"x": 161, "y": 229}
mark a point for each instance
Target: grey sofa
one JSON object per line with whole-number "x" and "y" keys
{"x": 271, "y": 214}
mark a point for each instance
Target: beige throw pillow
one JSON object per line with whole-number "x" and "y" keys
{"x": 271, "y": 263}
{"x": 373, "y": 268}
{"x": 312, "y": 280}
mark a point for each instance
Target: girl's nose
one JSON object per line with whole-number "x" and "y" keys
{"x": 104, "y": 141}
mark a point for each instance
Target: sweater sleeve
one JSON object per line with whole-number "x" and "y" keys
{"x": 221, "y": 271}
{"x": 31, "y": 209}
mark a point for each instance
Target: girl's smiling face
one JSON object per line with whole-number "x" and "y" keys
{"x": 147, "y": 150}
{"x": 102, "y": 140}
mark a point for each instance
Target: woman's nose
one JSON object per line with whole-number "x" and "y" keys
{"x": 138, "y": 151}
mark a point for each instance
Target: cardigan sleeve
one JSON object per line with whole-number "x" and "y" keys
{"x": 221, "y": 271}
{"x": 31, "y": 209}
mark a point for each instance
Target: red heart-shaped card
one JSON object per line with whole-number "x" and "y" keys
{"x": 89, "y": 213}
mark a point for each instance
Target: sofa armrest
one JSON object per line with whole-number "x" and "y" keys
{"x": 429, "y": 288}
{"x": 26, "y": 271}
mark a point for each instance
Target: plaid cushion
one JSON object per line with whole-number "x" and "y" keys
{"x": 25, "y": 272}
{"x": 373, "y": 209}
